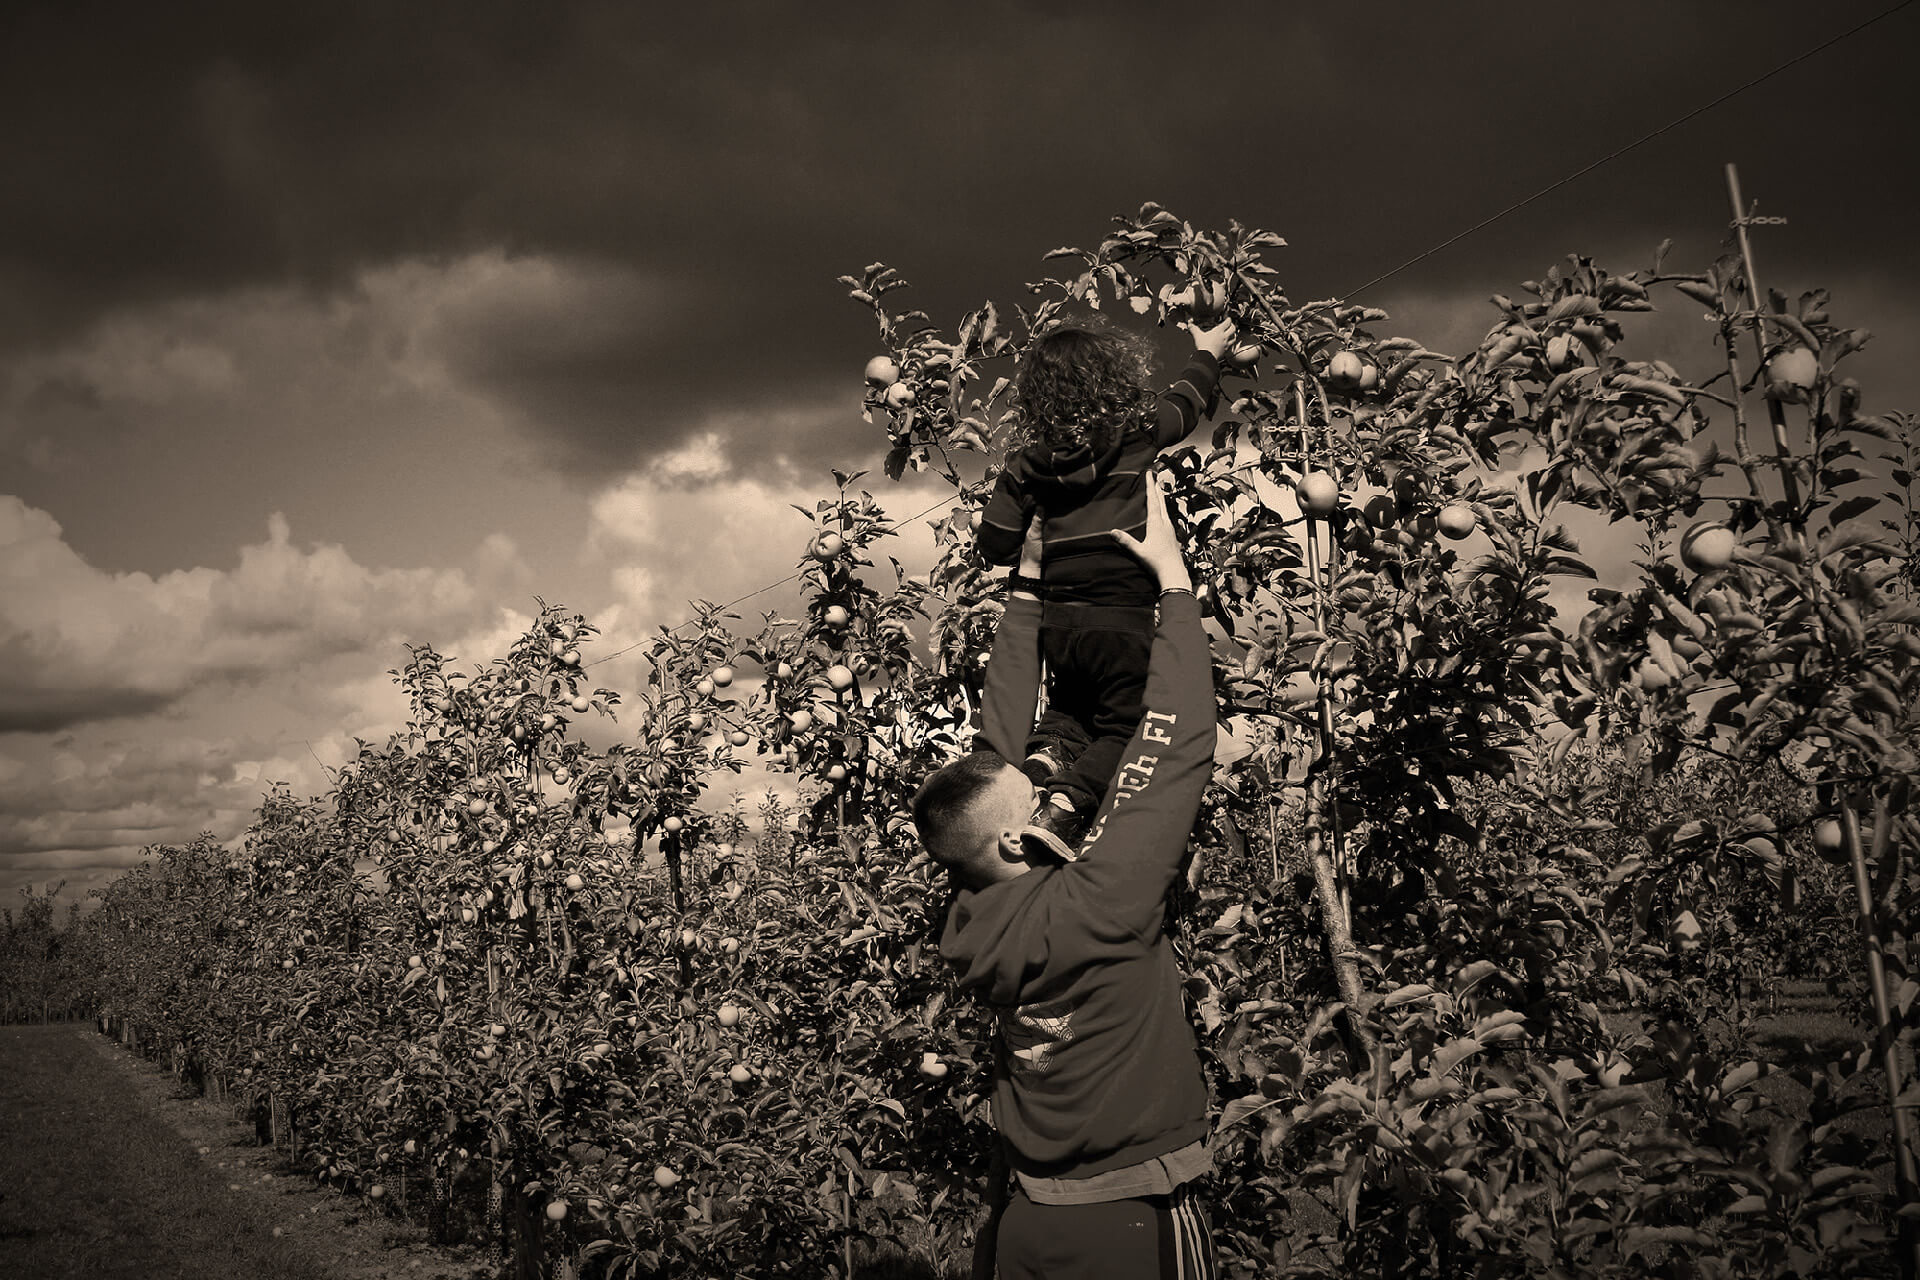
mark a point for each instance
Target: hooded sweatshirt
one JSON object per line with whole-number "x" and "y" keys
{"x": 1096, "y": 1068}
{"x": 1084, "y": 493}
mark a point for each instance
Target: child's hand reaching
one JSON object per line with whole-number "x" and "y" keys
{"x": 1214, "y": 341}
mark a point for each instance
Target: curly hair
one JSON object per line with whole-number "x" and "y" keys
{"x": 1081, "y": 383}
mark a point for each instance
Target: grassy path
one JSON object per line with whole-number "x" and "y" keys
{"x": 108, "y": 1169}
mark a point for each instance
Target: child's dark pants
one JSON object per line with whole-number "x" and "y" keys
{"x": 1097, "y": 659}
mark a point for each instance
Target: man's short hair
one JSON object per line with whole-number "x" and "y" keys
{"x": 940, "y": 807}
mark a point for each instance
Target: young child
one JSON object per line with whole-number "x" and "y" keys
{"x": 1090, "y": 429}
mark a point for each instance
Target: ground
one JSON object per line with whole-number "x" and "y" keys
{"x": 111, "y": 1168}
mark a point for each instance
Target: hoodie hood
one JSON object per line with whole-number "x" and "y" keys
{"x": 1073, "y": 472}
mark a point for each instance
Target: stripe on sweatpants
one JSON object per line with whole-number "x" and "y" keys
{"x": 1193, "y": 1236}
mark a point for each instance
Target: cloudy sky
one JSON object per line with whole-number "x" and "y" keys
{"x": 328, "y": 327}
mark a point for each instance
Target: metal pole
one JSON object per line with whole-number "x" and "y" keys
{"x": 1775, "y": 414}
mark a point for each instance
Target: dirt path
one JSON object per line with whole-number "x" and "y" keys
{"x": 108, "y": 1168}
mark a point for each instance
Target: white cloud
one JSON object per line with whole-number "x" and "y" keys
{"x": 81, "y": 643}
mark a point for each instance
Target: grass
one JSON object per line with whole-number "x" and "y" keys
{"x": 93, "y": 1185}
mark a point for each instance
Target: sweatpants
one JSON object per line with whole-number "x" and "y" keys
{"x": 1144, "y": 1238}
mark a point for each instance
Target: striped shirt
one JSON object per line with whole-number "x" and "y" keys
{"x": 1082, "y": 496}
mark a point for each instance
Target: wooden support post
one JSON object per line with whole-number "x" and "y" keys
{"x": 1741, "y": 220}
{"x": 1907, "y": 1183}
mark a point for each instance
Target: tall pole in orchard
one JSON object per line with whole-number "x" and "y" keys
{"x": 1775, "y": 414}
{"x": 1907, "y": 1177}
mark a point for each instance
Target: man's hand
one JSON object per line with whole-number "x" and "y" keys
{"x": 1031, "y": 549}
{"x": 1214, "y": 341}
{"x": 1160, "y": 550}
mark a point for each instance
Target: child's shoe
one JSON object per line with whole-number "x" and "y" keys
{"x": 1039, "y": 766}
{"x": 1062, "y": 818}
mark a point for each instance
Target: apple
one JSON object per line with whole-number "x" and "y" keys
{"x": 828, "y": 545}
{"x": 722, "y": 676}
{"x": 581, "y": 704}
{"x": 1369, "y": 378}
{"x": 571, "y": 657}
{"x": 476, "y": 806}
{"x": 561, "y": 777}
{"x": 696, "y": 720}
{"x": 549, "y": 722}
{"x": 703, "y": 687}
{"x": 518, "y": 733}
{"x": 672, "y": 824}
{"x": 1707, "y": 546}
{"x": 801, "y": 720}
{"x": 287, "y": 963}
{"x": 783, "y": 672}
{"x": 1381, "y": 511}
{"x": 688, "y": 938}
{"x": 546, "y": 858}
{"x": 484, "y": 1052}
{"x": 727, "y": 1014}
{"x": 1318, "y": 494}
{"x": 741, "y": 1073}
{"x": 835, "y": 615}
{"x": 1791, "y": 374}
{"x": 729, "y": 945}
{"x": 1456, "y": 520}
{"x": 409, "y": 1146}
{"x": 900, "y": 395}
{"x": 556, "y": 1210}
{"x": 931, "y": 1066}
{"x": 557, "y": 648}
{"x": 1829, "y": 841}
{"x": 1560, "y": 353}
{"x": 1345, "y": 369}
{"x": 575, "y": 882}
{"x": 468, "y": 915}
{"x": 837, "y": 773}
{"x": 664, "y": 1177}
{"x": 723, "y": 850}
{"x": 738, "y": 737}
{"x": 497, "y": 1029}
{"x": 376, "y": 1191}
{"x": 839, "y": 677}
{"x": 882, "y": 372}
{"x": 415, "y": 962}
{"x": 1244, "y": 355}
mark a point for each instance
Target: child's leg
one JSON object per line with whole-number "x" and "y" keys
{"x": 1100, "y": 661}
{"x": 1055, "y": 743}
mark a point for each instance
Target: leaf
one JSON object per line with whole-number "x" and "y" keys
{"x": 1453, "y": 1053}
{"x": 1238, "y": 1109}
{"x": 1746, "y": 1205}
{"x": 1402, "y": 995}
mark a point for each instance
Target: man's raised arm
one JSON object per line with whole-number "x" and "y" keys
{"x": 1013, "y": 669}
{"x": 1138, "y": 840}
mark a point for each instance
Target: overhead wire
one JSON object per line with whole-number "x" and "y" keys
{"x": 1620, "y": 151}
{"x": 1462, "y": 235}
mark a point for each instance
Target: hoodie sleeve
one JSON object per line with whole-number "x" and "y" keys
{"x": 1003, "y": 524}
{"x": 1137, "y": 842}
{"x": 1187, "y": 401}
{"x": 1013, "y": 680}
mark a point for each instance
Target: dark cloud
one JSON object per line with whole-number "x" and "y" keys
{"x": 736, "y": 158}
{"x": 29, "y": 710}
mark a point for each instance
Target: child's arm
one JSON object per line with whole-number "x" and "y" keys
{"x": 1192, "y": 398}
{"x": 1003, "y": 523}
